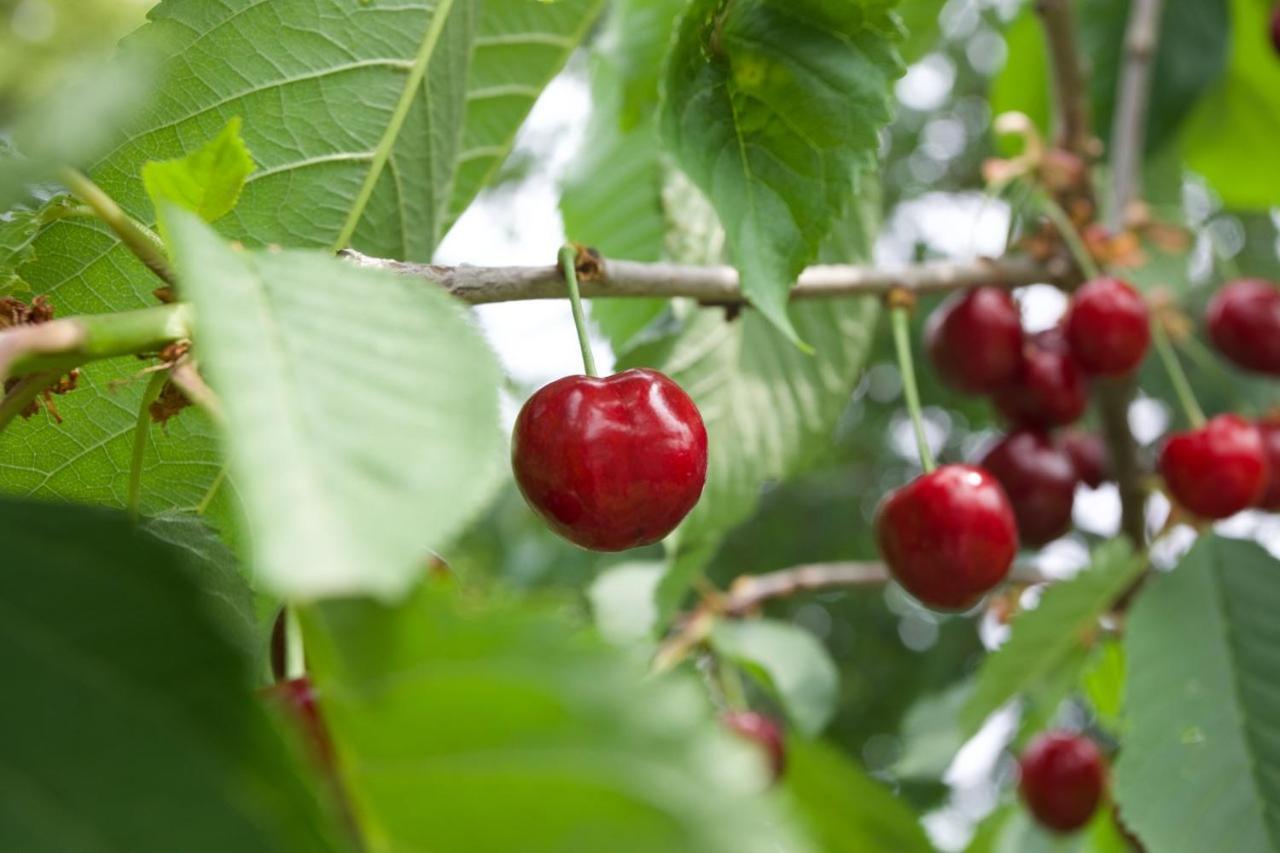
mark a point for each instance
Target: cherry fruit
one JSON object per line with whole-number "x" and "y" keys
{"x": 949, "y": 536}
{"x": 762, "y": 731}
{"x": 975, "y": 340}
{"x": 1062, "y": 780}
{"x": 1108, "y": 327}
{"x": 611, "y": 463}
{"x": 1088, "y": 454}
{"x": 1049, "y": 389}
{"x": 1269, "y": 430}
{"x": 1217, "y": 470}
{"x": 1040, "y": 480}
{"x": 1243, "y": 319}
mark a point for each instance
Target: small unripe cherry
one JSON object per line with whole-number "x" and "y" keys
{"x": 1049, "y": 390}
{"x": 1062, "y": 778}
{"x": 1040, "y": 481}
{"x": 1107, "y": 327}
{"x": 975, "y": 340}
{"x": 1217, "y": 470}
{"x": 1243, "y": 319}
{"x": 762, "y": 731}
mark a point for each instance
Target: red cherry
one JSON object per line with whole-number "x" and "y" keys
{"x": 1049, "y": 390}
{"x": 611, "y": 463}
{"x": 1108, "y": 327}
{"x": 1040, "y": 481}
{"x": 1243, "y": 319}
{"x": 298, "y": 697}
{"x": 1062, "y": 778}
{"x": 975, "y": 340}
{"x": 1269, "y": 430}
{"x": 948, "y": 537}
{"x": 762, "y": 731}
{"x": 1217, "y": 470}
{"x": 1088, "y": 454}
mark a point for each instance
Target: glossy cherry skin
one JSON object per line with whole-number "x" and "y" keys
{"x": 762, "y": 731}
{"x": 611, "y": 463}
{"x": 1269, "y": 430}
{"x": 1108, "y": 327}
{"x": 1243, "y": 320}
{"x": 1217, "y": 470}
{"x": 1088, "y": 454}
{"x": 1062, "y": 778}
{"x": 1049, "y": 390}
{"x": 949, "y": 536}
{"x": 975, "y": 340}
{"x": 1040, "y": 480}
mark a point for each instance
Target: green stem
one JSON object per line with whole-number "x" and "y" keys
{"x": 140, "y": 432}
{"x": 1186, "y": 397}
{"x": 138, "y": 238}
{"x": 1070, "y": 235}
{"x": 901, "y": 320}
{"x": 100, "y": 336}
{"x": 569, "y": 266}
{"x": 389, "y": 136}
{"x": 23, "y": 394}
{"x": 203, "y": 506}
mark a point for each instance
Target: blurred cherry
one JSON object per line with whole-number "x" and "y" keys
{"x": 975, "y": 340}
{"x": 1243, "y": 319}
{"x": 1108, "y": 327}
{"x": 1049, "y": 389}
{"x": 1269, "y": 430}
{"x": 1088, "y": 454}
{"x": 1217, "y": 470}
{"x": 1040, "y": 480}
{"x": 1062, "y": 778}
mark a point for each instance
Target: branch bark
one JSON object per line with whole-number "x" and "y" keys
{"x": 711, "y": 285}
{"x": 1071, "y": 98}
{"x": 1129, "y": 129}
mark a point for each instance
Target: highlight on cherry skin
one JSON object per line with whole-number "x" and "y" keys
{"x": 611, "y": 463}
{"x": 1062, "y": 779}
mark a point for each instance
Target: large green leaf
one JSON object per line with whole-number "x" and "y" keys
{"x": 519, "y": 46}
{"x": 1053, "y": 635}
{"x": 1200, "y": 765}
{"x": 469, "y": 727}
{"x": 316, "y": 83}
{"x": 848, "y": 811}
{"x": 129, "y": 719}
{"x": 361, "y": 408}
{"x": 772, "y": 108}
{"x": 1230, "y": 139}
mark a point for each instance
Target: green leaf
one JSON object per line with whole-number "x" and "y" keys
{"x": 17, "y": 231}
{"x": 624, "y": 604}
{"x": 931, "y": 734}
{"x": 129, "y": 716}
{"x": 1012, "y": 830}
{"x": 773, "y": 108}
{"x": 207, "y": 181}
{"x": 1230, "y": 139}
{"x": 361, "y": 408}
{"x": 1103, "y": 684}
{"x": 519, "y": 46}
{"x": 789, "y": 661}
{"x": 316, "y": 83}
{"x": 1200, "y": 767}
{"x": 920, "y": 20}
{"x": 1054, "y": 634}
{"x": 518, "y": 734}
{"x": 847, "y": 810}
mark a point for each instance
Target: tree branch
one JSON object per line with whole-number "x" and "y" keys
{"x": 61, "y": 345}
{"x": 710, "y": 285}
{"x": 1128, "y": 135}
{"x": 1071, "y": 98}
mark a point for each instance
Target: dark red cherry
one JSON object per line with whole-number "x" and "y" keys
{"x": 1275, "y": 28}
{"x": 949, "y": 536}
{"x": 975, "y": 340}
{"x": 1049, "y": 389}
{"x": 1243, "y": 319}
{"x": 762, "y": 731}
{"x": 297, "y": 697}
{"x": 1088, "y": 454}
{"x": 1040, "y": 481}
{"x": 611, "y": 463}
{"x": 1108, "y": 327}
{"x": 1217, "y": 470}
{"x": 1269, "y": 430}
{"x": 1062, "y": 778}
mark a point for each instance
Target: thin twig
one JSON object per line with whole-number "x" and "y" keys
{"x": 139, "y": 239}
{"x": 1129, "y": 128}
{"x": 186, "y": 377}
{"x": 712, "y": 285}
{"x": 1071, "y": 98}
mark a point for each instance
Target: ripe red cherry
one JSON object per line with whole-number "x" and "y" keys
{"x": 1040, "y": 481}
{"x": 1243, "y": 319}
{"x": 1269, "y": 430}
{"x": 762, "y": 731}
{"x": 949, "y": 536}
{"x": 297, "y": 697}
{"x": 611, "y": 463}
{"x": 1088, "y": 454}
{"x": 1108, "y": 327}
{"x": 1217, "y": 470}
{"x": 975, "y": 340}
{"x": 1049, "y": 390}
{"x": 1062, "y": 779}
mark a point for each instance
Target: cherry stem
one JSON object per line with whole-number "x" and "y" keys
{"x": 1070, "y": 235}
{"x": 140, "y": 432}
{"x": 569, "y": 267}
{"x": 1186, "y": 397}
{"x": 901, "y": 320}
{"x": 145, "y": 245}
{"x": 295, "y": 665}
